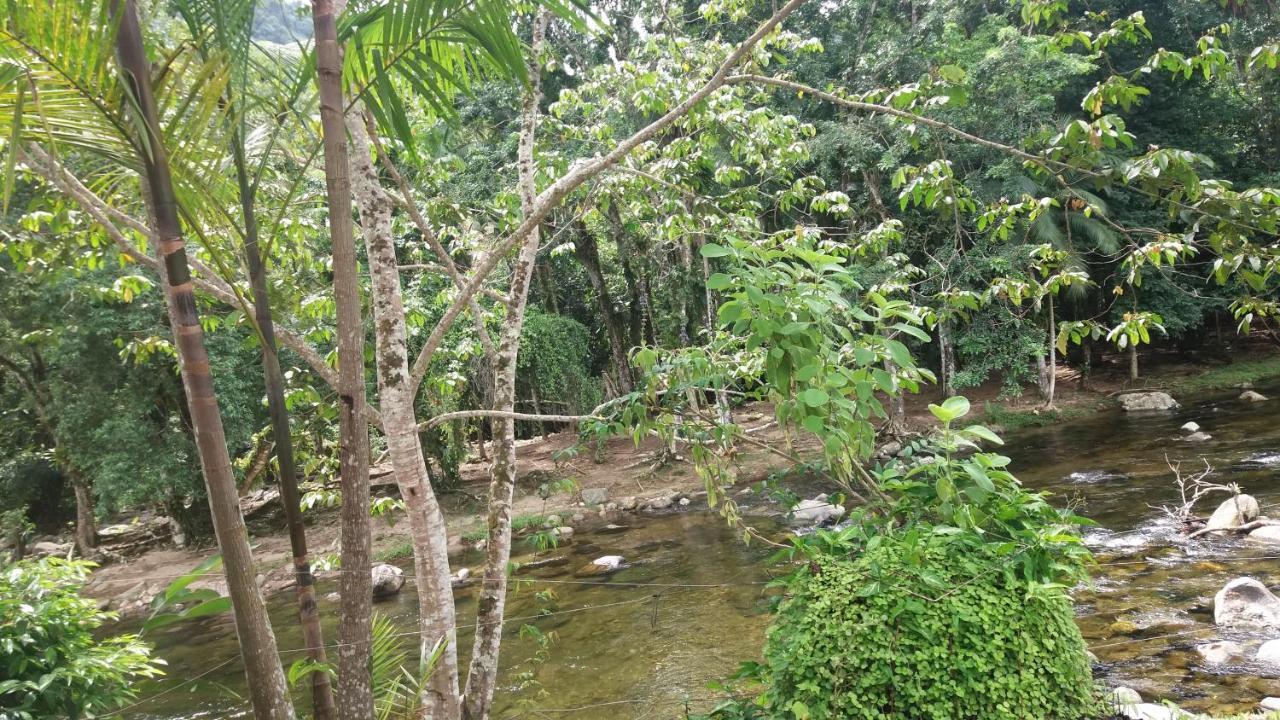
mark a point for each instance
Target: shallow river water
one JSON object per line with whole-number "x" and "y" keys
{"x": 690, "y": 606}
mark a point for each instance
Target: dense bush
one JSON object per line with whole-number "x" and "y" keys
{"x": 919, "y": 626}
{"x": 52, "y": 664}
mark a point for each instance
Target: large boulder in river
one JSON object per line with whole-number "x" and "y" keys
{"x": 1220, "y": 652}
{"x": 387, "y": 581}
{"x": 1269, "y": 653}
{"x": 1136, "y": 402}
{"x": 1245, "y": 602}
{"x": 1267, "y": 534}
{"x": 602, "y": 565}
{"x": 1251, "y": 396}
{"x": 1233, "y": 513}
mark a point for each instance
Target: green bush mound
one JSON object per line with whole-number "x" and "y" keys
{"x": 926, "y": 629}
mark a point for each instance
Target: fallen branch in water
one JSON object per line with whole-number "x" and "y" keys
{"x": 1253, "y": 525}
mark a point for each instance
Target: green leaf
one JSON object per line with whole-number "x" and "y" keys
{"x": 712, "y": 250}
{"x": 813, "y": 397}
{"x": 984, "y": 433}
{"x": 719, "y": 281}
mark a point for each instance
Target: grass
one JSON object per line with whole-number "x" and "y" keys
{"x": 528, "y": 521}
{"x": 402, "y": 549}
{"x": 1227, "y": 376}
{"x": 994, "y": 414}
{"x": 475, "y": 535}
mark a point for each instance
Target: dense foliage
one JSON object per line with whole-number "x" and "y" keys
{"x": 53, "y": 661}
{"x": 925, "y": 626}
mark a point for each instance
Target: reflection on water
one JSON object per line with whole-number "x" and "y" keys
{"x": 642, "y": 644}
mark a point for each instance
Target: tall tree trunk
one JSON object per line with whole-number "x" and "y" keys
{"x": 268, "y": 692}
{"x": 588, "y": 254}
{"x": 947, "y": 358}
{"x": 491, "y": 603}
{"x": 273, "y": 380}
{"x": 355, "y": 626}
{"x": 1052, "y": 382}
{"x": 400, "y": 425}
{"x": 86, "y": 526}
{"x": 1133, "y": 362}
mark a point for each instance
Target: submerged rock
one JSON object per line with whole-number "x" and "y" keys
{"x": 387, "y": 581}
{"x": 1233, "y": 513}
{"x": 1251, "y": 396}
{"x": 1190, "y": 427}
{"x": 461, "y": 577}
{"x": 1219, "y": 653}
{"x": 1198, "y": 437}
{"x": 1245, "y": 602}
{"x": 1137, "y": 402}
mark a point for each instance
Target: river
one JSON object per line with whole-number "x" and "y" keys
{"x": 691, "y": 604}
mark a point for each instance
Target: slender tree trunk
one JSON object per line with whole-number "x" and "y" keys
{"x": 588, "y": 254}
{"x": 400, "y": 425}
{"x": 273, "y": 380}
{"x": 1052, "y": 382}
{"x": 723, "y": 410}
{"x": 355, "y": 627}
{"x": 897, "y": 403}
{"x": 86, "y": 526}
{"x": 491, "y": 603}
{"x": 947, "y": 358}
{"x": 1133, "y": 362}
{"x": 268, "y": 692}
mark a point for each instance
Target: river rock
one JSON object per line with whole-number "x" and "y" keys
{"x": 1122, "y": 696}
{"x": 1198, "y": 437}
{"x": 595, "y": 496}
{"x": 1137, "y": 402}
{"x": 1190, "y": 427}
{"x": 1252, "y": 396}
{"x": 628, "y": 503}
{"x": 889, "y": 449}
{"x": 461, "y": 577}
{"x": 1246, "y": 602}
{"x": 1152, "y": 711}
{"x": 387, "y": 581}
{"x": 1269, "y": 653}
{"x": 1269, "y": 704}
{"x": 1233, "y": 513}
{"x": 50, "y": 548}
{"x": 818, "y": 511}
{"x": 564, "y": 532}
{"x": 602, "y": 565}
{"x": 1219, "y": 653}
{"x": 662, "y": 502}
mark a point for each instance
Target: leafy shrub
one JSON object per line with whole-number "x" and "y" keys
{"x": 925, "y": 625}
{"x": 51, "y": 662}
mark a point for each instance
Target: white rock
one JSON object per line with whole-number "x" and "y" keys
{"x": 661, "y": 502}
{"x": 460, "y": 578}
{"x": 1252, "y": 396}
{"x": 1266, "y": 534}
{"x": 1136, "y": 402}
{"x": 1269, "y": 653}
{"x": 818, "y": 511}
{"x": 601, "y": 566}
{"x": 1245, "y": 602}
{"x": 387, "y": 581}
{"x": 684, "y": 502}
{"x": 1124, "y": 696}
{"x": 1270, "y": 704}
{"x": 563, "y": 532}
{"x": 1191, "y": 427}
{"x": 1152, "y": 711}
{"x": 1233, "y": 513}
{"x": 628, "y": 503}
{"x": 595, "y": 496}
{"x": 1218, "y": 653}
{"x": 1198, "y": 437}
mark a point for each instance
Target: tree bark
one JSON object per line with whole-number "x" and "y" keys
{"x": 355, "y": 627}
{"x": 273, "y": 381}
{"x": 1133, "y": 362}
{"x": 268, "y": 692}
{"x": 427, "y": 532}
{"x": 491, "y": 603}
{"x": 86, "y": 526}
{"x": 588, "y": 254}
{"x": 947, "y": 358}
{"x": 1052, "y": 383}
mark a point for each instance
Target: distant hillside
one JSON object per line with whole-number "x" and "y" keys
{"x": 282, "y": 21}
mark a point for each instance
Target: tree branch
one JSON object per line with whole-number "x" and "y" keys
{"x": 580, "y": 173}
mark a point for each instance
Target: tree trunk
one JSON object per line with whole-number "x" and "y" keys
{"x": 491, "y": 602}
{"x": 355, "y": 626}
{"x": 947, "y": 358}
{"x": 1133, "y": 362}
{"x": 86, "y": 526}
{"x": 897, "y": 403}
{"x": 1052, "y": 384}
{"x": 588, "y": 254}
{"x": 427, "y": 531}
{"x": 273, "y": 380}
{"x": 268, "y": 693}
